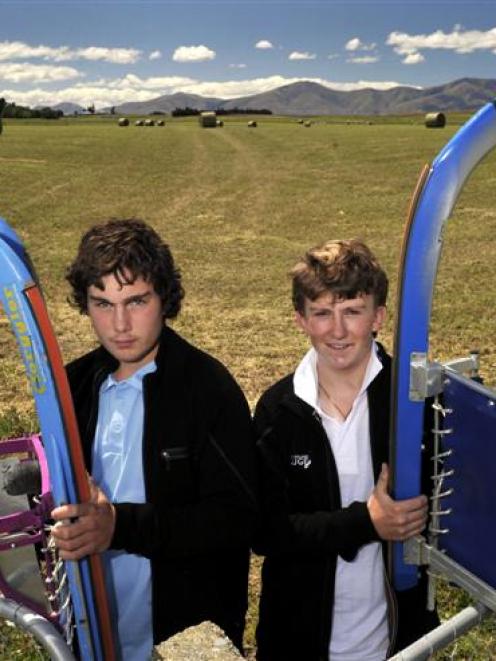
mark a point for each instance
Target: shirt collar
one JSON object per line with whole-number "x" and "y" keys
{"x": 135, "y": 380}
{"x": 305, "y": 379}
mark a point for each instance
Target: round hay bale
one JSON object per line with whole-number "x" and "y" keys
{"x": 252, "y": 124}
{"x": 220, "y": 123}
{"x": 123, "y": 121}
{"x": 149, "y": 122}
{"x": 160, "y": 122}
{"x": 307, "y": 124}
{"x": 435, "y": 120}
{"x": 299, "y": 121}
{"x": 207, "y": 119}
{"x": 139, "y": 122}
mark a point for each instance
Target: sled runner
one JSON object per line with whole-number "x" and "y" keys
{"x": 83, "y": 607}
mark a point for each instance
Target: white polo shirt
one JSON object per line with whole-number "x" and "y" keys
{"x": 359, "y": 619}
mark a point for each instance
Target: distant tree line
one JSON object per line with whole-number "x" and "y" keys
{"x": 187, "y": 111}
{"x": 244, "y": 111}
{"x": 22, "y": 112}
{"x": 3, "y": 103}
{"x": 184, "y": 112}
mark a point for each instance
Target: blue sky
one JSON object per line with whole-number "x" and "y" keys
{"x": 111, "y": 51}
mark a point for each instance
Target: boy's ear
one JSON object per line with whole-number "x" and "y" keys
{"x": 380, "y": 316}
{"x": 300, "y": 321}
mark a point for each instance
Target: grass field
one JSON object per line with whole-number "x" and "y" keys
{"x": 238, "y": 207}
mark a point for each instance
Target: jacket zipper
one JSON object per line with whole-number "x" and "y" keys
{"x": 173, "y": 453}
{"x": 247, "y": 490}
{"x": 392, "y": 613}
{"x": 326, "y": 624}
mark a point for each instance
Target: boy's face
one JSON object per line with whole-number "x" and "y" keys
{"x": 341, "y": 330}
{"x": 127, "y": 320}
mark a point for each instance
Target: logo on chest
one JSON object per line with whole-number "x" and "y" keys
{"x": 300, "y": 460}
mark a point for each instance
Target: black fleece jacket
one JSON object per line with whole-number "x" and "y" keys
{"x": 304, "y": 526}
{"x": 197, "y": 521}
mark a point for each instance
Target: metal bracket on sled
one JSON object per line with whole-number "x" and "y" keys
{"x": 426, "y": 377}
{"x": 418, "y": 552}
{"x": 469, "y": 365}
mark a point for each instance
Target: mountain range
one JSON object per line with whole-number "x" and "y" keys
{"x": 308, "y": 98}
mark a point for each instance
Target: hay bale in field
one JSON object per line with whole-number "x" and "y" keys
{"x": 299, "y": 121}
{"x": 252, "y": 124}
{"x": 435, "y": 120}
{"x": 139, "y": 122}
{"x": 220, "y": 123}
{"x": 123, "y": 121}
{"x": 160, "y": 122}
{"x": 208, "y": 119}
{"x": 149, "y": 122}
{"x": 307, "y": 124}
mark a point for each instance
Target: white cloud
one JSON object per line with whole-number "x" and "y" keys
{"x": 357, "y": 44}
{"x": 193, "y": 54}
{"x": 15, "y": 50}
{"x": 414, "y": 58}
{"x": 365, "y": 59}
{"x": 264, "y": 44}
{"x": 132, "y": 83}
{"x": 84, "y": 96}
{"x": 353, "y": 44}
{"x": 155, "y": 55}
{"x": 333, "y": 56}
{"x": 111, "y": 92}
{"x": 24, "y": 72}
{"x": 114, "y": 55}
{"x": 297, "y": 55}
{"x": 237, "y": 66}
{"x": 459, "y": 41}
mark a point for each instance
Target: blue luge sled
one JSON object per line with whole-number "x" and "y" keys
{"x": 23, "y": 305}
{"x": 435, "y": 198}
{"x": 470, "y": 468}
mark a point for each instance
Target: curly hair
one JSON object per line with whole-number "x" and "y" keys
{"x": 345, "y": 268}
{"x": 128, "y": 249}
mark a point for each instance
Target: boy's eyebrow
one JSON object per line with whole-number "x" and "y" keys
{"x": 95, "y": 297}
{"x": 129, "y": 299}
{"x": 358, "y": 304}
{"x": 145, "y": 294}
{"x": 325, "y": 306}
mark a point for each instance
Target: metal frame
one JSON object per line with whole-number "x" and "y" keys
{"x": 25, "y": 309}
{"x": 435, "y": 196}
{"x": 37, "y": 626}
{"x": 426, "y": 380}
{"x": 418, "y": 552}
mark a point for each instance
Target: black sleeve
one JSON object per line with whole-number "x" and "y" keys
{"x": 222, "y": 515}
{"x": 293, "y": 519}
{"x": 262, "y": 418}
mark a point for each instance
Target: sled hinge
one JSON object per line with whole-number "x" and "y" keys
{"x": 426, "y": 378}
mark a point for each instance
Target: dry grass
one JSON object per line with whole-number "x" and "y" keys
{"x": 238, "y": 208}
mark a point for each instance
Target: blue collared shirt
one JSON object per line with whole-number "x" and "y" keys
{"x": 118, "y": 470}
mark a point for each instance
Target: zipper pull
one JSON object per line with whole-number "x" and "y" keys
{"x": 167, "y": 458}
